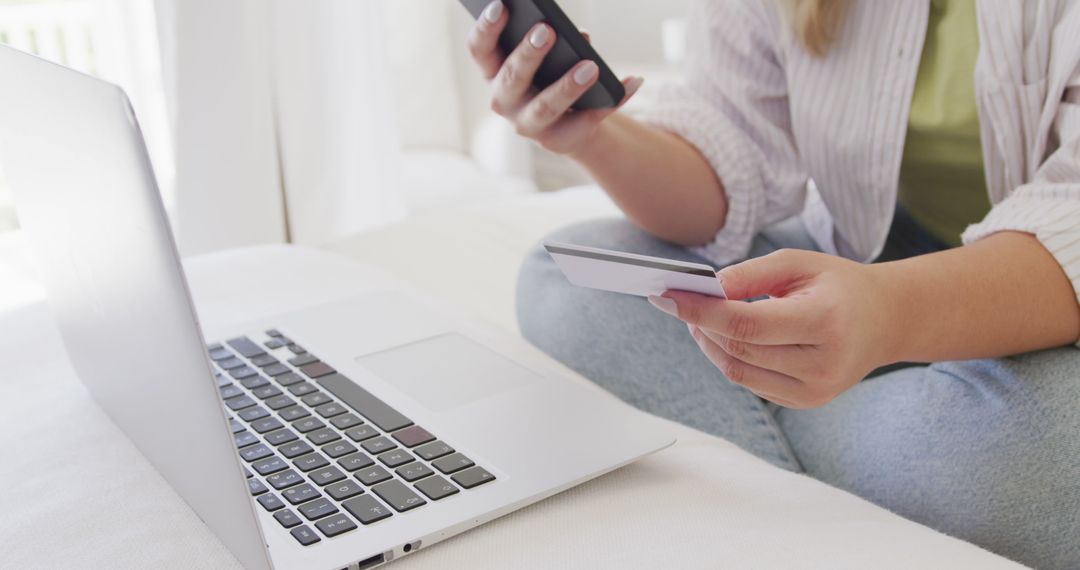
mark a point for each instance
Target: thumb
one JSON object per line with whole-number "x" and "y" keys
{"x": 773, "y": 275}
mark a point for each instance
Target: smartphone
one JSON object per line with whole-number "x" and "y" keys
{"x": 570, "y": 48}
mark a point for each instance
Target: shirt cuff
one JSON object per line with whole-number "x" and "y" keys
{"x": 1040, "y": 210}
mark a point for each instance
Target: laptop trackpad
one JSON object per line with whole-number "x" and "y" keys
{"x": 447, "y": 371}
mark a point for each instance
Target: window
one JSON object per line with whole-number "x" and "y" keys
{"x": 112, "y": 39}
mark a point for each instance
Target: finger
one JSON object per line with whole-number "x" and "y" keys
{"x": 772, "y": 274}
{"x": 552, "y": 103}
{"x": 757, "y": 380}
{"x": 516, "y": 75}
{"x": 585, "y": 34}
{"x": 797, "y": 360}
{"x": 573, "y": 125}
{"x": 766, "y": 322}
{"x": 483, "y": 40}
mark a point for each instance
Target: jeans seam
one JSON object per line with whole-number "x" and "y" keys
{"x": 784, "y": 450}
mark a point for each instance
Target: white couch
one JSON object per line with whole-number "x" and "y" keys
{"x": 78, "y": 494}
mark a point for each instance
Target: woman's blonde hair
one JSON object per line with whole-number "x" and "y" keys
{"x": 817, "y": 22}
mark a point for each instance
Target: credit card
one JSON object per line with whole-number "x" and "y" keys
{"x": 632, "y": 274}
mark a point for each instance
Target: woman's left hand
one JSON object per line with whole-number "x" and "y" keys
{"x": 826, "y": 324}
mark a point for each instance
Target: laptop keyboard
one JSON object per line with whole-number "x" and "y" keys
{"x": 323, "y": 454}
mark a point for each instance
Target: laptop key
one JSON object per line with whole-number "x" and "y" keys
{"x": 267, "y": 392}
{"x": 303, "y": 360}
{"x": 280, "y": 437}
{"x": 280, "y": 403}
{"x": 373, "y": 476}
{"x": 355, "y": 461}
{"x": 436, "y": 488}
{"x": 244, "y": 439}
{"x": 414, "y": 471}
{"x": 302, "y": 389}
{"x": 287, "y": 518}
{"x": 271, "y": 502}
{"x": 316, "y": 399}
{"x": 248, "y": 473}
{"x": 253, "y": 413}
{"x": 244, "y": 346}
{"x": 239, "y": 403}
{"x": 395, "y": 458}
{"x": 344, "y": 490}
{"x": 242, "y": 372}
{"x": 337, "y": 449}
{"x": 330, "y": 410}
{"x": 219, "y": 354}
{"x": 230, "y": 363}
{"x": 324, "y": 477}
{"x": 317, "y": 509}
{"x": 256, "y": 381}
{"x": 273, "y": 333}
{"x": 413, "y": 436}
{"x": 310, "y": 462}
{"x": 361, "y": 433}
{"x": 256, "y": 487}
{"x": 323, "y": 436}
{"x": 366, "y": 509}
{"x": 346, "y": 421}
{"x": 473, "y": 477}
{"x": 397, "y": 495}
{"x": 295, "y": 449}
{"x": 434, "y": 450}
{"x": 452, "y": 463}
{"x": 269, "y": 465}
{"x": 289, "y": 379}
{"x": 274, "y": 343}
{"x": 267, "y": 424}
{"x": 222, "y": 381}
{"x": 264, "y": 360}
{"x": 278, "y": 369}
{"x": 335, "y": 525}
{"x": 317, "y": 370}
{"x": 230, "y": 390}
{"x": 308, "y": 424}
{"x": 284, "y": 479}
{"x": 368, "y": 406}
{"x": 378, "y": 445}
{"x": 256, "y": 452}
{"x": 300, "y": 494}
{"x": 305, "y": 535}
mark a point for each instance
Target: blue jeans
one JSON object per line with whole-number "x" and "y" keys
{"x": 986, "y": 450}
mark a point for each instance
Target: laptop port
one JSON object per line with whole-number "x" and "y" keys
{"x": 371, "y": 562}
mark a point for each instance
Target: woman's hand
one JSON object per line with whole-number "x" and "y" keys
{"x": 545, "y": 116}
{"x": 824, "y": 327}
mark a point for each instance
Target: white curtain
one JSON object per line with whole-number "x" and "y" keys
{"x": 284, "y": 128}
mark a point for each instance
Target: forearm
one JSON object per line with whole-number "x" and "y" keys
{"x": 1000, "y": 296}
{"x": 659, "y": 180}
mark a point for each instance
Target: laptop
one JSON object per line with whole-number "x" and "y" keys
{"x": 346, "y": 435}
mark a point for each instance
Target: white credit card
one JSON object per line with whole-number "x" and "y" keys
{"x": 632, "y": 274}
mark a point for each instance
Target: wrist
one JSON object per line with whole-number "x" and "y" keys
{"x": 899, "y": 308}
{"x": 596, "y": 144}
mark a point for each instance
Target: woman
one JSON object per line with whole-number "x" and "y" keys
{"x": 915, "y": 120}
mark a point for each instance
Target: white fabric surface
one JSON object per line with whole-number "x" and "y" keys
{"x": 77, "y": 493}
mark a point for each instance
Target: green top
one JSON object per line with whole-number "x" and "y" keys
{"x": 942, "y": 179}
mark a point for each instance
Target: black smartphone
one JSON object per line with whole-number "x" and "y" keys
{"x": 570, "y": 48}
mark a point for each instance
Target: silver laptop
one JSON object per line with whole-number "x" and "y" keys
{"x": 343, "y": 436}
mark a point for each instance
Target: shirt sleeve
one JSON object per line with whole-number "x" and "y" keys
{"x": 732, "y": 105}
{"x": 1049, "y": 206}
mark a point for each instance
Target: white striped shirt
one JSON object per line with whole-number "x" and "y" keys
{"x": 770, "y": 118}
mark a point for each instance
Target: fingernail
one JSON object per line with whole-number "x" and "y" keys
{"x": 493, "y": 11}
{"x": 665, "y": 304}
{"x": 539, "y": 37}
{"x": 586, "y": 73}
{"x": 635, "y": 84}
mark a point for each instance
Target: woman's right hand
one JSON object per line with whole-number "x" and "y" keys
{"x": 545, "y": 116}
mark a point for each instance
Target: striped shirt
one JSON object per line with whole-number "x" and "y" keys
{"x": 787, "y": 132}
